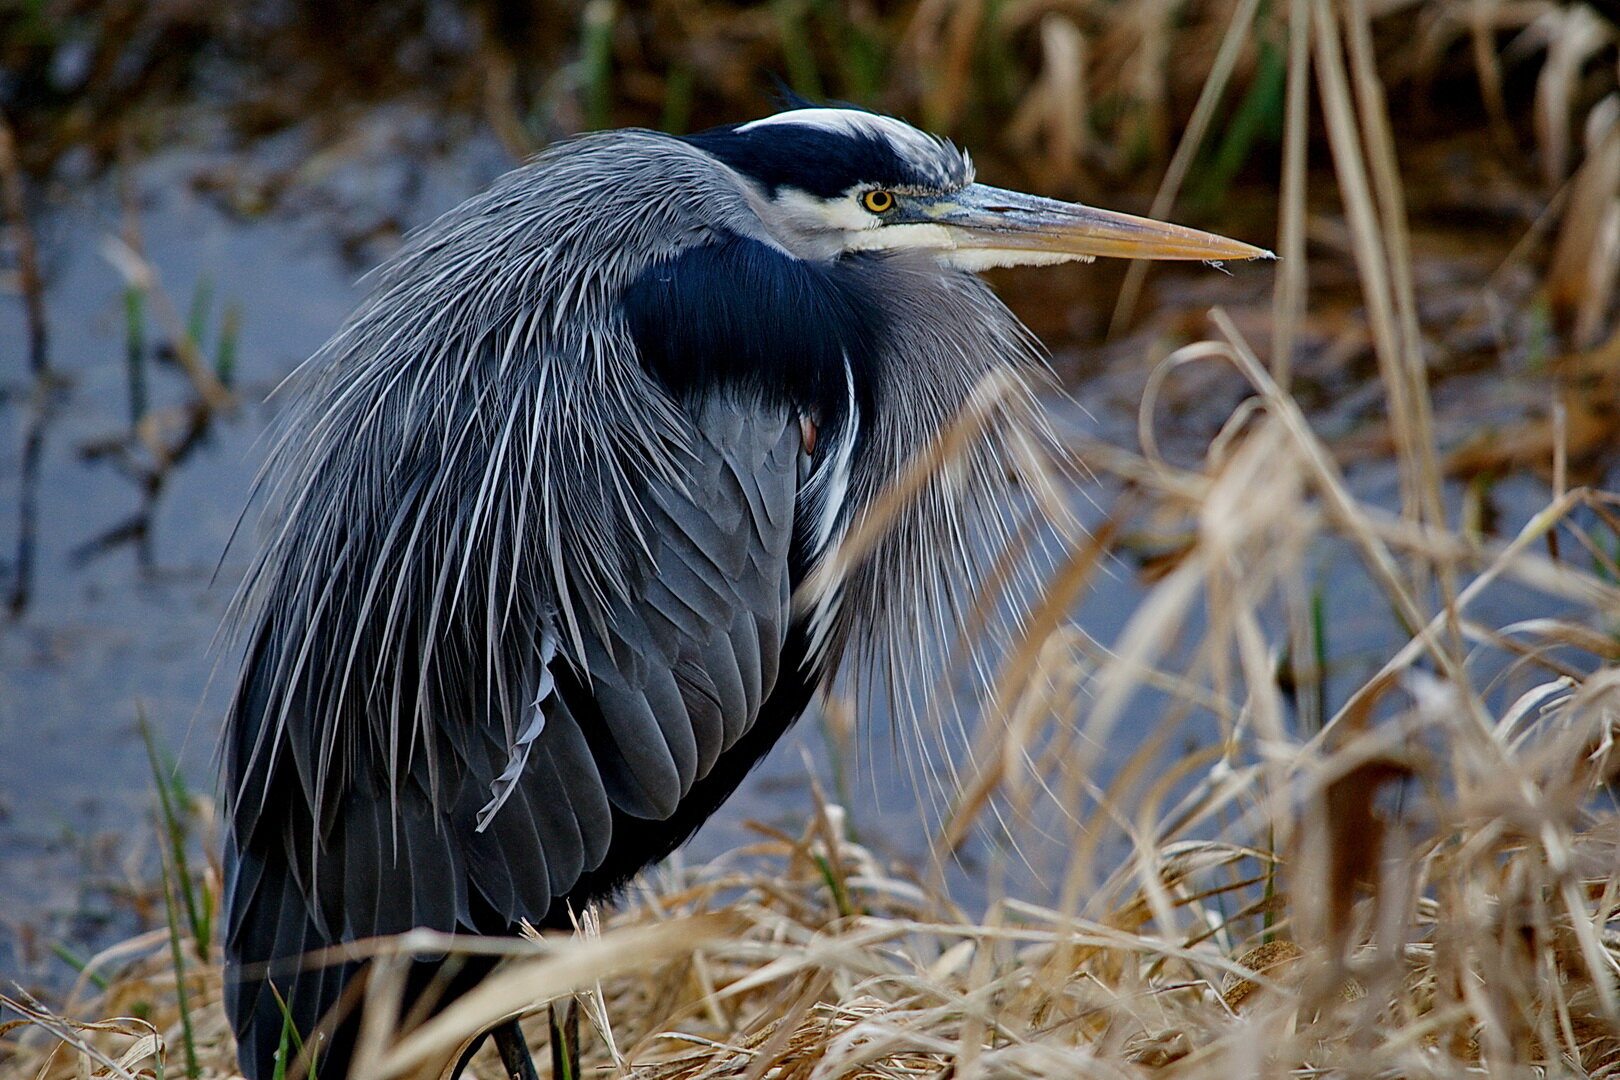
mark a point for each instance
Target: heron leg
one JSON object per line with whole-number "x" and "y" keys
{"x": 565, "y": 1042}
{"x": 514, "y": 1051}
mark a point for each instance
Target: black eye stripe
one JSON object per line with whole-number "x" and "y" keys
{"x": 826, "y": 163}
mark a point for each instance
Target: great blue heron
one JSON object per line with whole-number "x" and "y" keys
{"x": 537, "y": 591}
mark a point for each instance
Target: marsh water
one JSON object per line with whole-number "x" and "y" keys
{"x": 126, "y": 580}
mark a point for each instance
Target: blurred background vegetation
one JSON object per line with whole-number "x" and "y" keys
{"x": 1085, "y": 93}
{"x": 1442, "y": 178}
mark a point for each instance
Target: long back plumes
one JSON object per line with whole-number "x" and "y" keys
{"x": 462, "y": 449}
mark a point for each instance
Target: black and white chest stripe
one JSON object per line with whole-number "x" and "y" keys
{"x": 826, "y": 511}
{"x": 825, "y": 495}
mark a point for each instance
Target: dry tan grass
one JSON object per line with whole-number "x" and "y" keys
{"x": 1425, "y": 881}
{"x": 1472, "y": 931}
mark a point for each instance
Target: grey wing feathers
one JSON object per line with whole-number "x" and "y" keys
{"x": 669, "y": 678}
{"x": 511, "y": 810}
{"x": 687, "y": 664}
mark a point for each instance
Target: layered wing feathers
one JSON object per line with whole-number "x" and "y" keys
{"x": 659, "y": 685}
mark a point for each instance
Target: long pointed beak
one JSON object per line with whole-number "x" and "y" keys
{"x": 987, "y": 226}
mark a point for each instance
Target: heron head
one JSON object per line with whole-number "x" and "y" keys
{"x": 828, "y": 182}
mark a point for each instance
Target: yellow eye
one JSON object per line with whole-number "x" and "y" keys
{"x": 879, "y": 201}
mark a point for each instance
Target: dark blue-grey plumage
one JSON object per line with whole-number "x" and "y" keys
{"x": 739, "y": 312}
{"x": 542, "y": 585}
{"x": 658, "y": 700}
